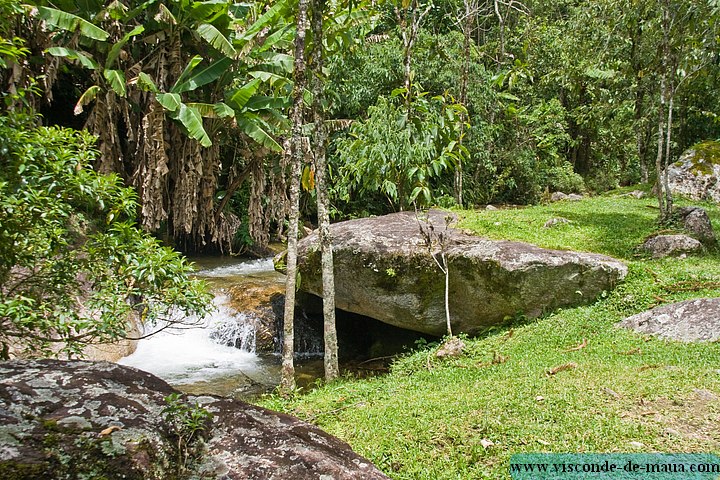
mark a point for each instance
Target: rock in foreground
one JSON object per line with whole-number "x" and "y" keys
{"x": 61, "y": 419}
{"x": 383, "y": 270}
{"x": 688, "y": 321}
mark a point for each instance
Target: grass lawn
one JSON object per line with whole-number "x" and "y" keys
{"x": 463, "y": 418}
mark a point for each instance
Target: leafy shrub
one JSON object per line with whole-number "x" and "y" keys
{"x": 73, "y": 267}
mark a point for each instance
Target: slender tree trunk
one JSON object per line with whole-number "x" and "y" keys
{"x": 287, "y": 382}
{"x": 663, "y": 134}
{"x": 446, "y": 271}
{"x": 328, "y": 274}
{"x": 665, "y": 179}
{"x": 467, "y": 32}
{"x": 409, "y": 25}
{"x": 640, "y": 126}
{"x": 501, "y": 22}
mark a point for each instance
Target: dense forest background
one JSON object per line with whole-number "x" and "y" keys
{"x": 447, "y": 102}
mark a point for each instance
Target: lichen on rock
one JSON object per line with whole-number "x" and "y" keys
{"x": 79, "y": 419}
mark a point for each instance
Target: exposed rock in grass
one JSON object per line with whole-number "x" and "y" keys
{"x": 383, "y": 270}
{"x": 671, "y": 245}
{"x": 696, "y": 222}
{"x": 558, "y": 196}
{"x": 556, "y": 221}
{"x": 688, "y": 321}
{"x": 61, "y": 419}
{"x": 696, "y": 174}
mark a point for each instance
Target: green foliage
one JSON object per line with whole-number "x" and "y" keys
{"x": 405, "y": 152}
{"x": 74, "y": 269}
{"x": 187, "y": 423}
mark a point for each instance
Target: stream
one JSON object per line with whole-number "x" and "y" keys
{"x": 198, "y": 360}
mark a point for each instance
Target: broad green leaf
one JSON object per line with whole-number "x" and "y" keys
{"x": 210, "y": 110}
{"x": 116, "y": 79}
{"x": 84, "y": 60}
{"x": 170, "y": 101}
{"x": 240, "y": 97}
{"x": 281, "y": 38}
{"x": 270, "y": 78}
{"x": 250, "y": 125}
{"x": 277, "y": 62}
{"x": 262, "y": 102}
{"x": 115, "y": 50}
{"x": 145, "y": 83}
{"x": 265, "y": 20}
{"x": 208, "y": 11}
{"x": 87, "y": 97}
{"x": 192, "y": 121}
{"x": 194, "y": 62}
{"x": 71, "y": 23}
{"x": 222, "y": 110}
{"x": 207, "y": 75}
{"x": 215, "y": 38}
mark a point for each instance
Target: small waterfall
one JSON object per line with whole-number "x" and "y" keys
{"x": 235, "y": 331}
{"x": 205, "y": 351}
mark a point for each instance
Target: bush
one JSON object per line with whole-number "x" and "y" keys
{"x": 73, "y": 267}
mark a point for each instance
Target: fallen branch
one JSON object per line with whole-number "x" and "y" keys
{"x": 578, "y": 347}
{"x": 561, "y": 368}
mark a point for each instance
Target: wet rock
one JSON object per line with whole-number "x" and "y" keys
{"x": 688, "y": 321}
{"x": 696, "y": 222}
{"x": 383, "y": 270}
{"x": 259, "y": 302}
{"x": 56, "y": 418}
{"x": 671, "y": 245}
{"x": 696, "y": 173}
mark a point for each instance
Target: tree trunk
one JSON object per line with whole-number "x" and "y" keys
{"x": 661, "y": 161}
{"x": 328, "y": 274}
{"x": 287, "y": 381}
{"x": 665, "y": 179}
{"x": 640, "y": 126}
{"x": 501, "y": 23}
{"x": 467, "y": 32}
{"x": 409, "y": 25}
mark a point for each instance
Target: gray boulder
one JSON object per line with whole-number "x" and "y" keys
{"x": 73, "y": 419}
{"x": 384, "y": 270}
{"x": 695, "y": 175}
{"x": 696, "y": 222}
{"x": 671, "y": 245}
{"x": 688, "y": 321}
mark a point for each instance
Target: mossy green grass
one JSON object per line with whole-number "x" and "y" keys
{"x": 569, "y": 381}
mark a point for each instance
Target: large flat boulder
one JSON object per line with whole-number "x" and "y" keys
{"x": 384, "y": 270}
{"x": 77, "y": 419}
{"x": 689, "y": 321}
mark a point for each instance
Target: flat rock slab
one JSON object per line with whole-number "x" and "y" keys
{"x": 688, "y": 321}
{"x": 384, "y": 270}
{"x": 76, "y": 419}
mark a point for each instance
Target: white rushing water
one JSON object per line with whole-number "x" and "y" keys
{"x": 207, "y": 352}
{"x": 249, "y": 267}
